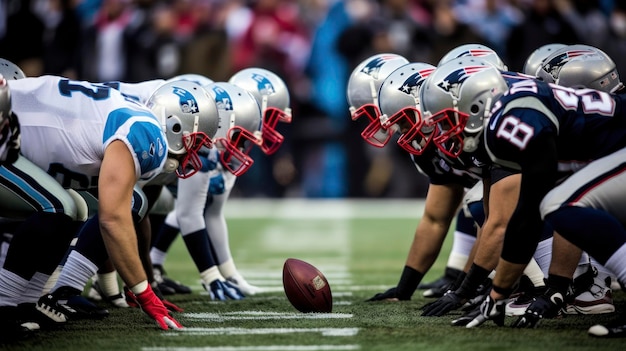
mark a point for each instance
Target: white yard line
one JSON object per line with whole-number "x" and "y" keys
{"x": 259, "y": 348}
{"x": 262, "y": 331}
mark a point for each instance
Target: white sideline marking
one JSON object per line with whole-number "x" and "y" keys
{"x": 258, "y": 348}
{"x": 261, "y": 315}
{"x": 263, "y": 331}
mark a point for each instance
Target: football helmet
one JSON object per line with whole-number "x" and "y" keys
{"x": 190, "y": 119}
{"x": 398, "y": 99}
{"x": 10, "y": 71}
{"x": 362, "y": 93}
{"x": 272, "y": 95}
{"x": 474, "y": 50}
{"x": 239, "y": 125}
{"x": 192, "y": 77}
{"x": 536, "y": 57}
{"x": 455, "y": 101}
{"x": 581, "y": 66}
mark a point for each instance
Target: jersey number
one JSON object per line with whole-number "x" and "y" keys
{"x": 591, "y": 101}
{"x": 96, "y": 92}
{"x": 515, "y": 131}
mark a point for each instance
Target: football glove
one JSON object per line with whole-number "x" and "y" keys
{"x": 222, "y": 290}
{"x": 467, "y": 317}
{"x": 209, "y": 159}
{"x": 448, "y": 302}
{"x": 547, "y": 305}
{"x": 168, "y": 304}
{"x": 154, "y": 308}
{"x": 389, "y": 295}
{"x": 490, "y": 309}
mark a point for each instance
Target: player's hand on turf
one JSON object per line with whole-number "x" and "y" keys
{"x": 490, "y": 309}
{"x": 467, "y": 317}
{"x": 168, "y": 304}
{"x": 389, "y": 295}
{"x": 543, "y": 306}
{"x": 222, "y": 290}
{"x": 448, "y": 302}
{"x": 154, "y": 308}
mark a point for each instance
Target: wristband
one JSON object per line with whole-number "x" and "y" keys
{"x": 558, "y": 283}
{"x": 409, "y": 280}
{"x": 506, "y": 292}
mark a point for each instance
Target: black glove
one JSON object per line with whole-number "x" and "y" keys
{"x": 467, "y": 317}
{"x": 547, "y": 305}
{"x": 448, "y": 302}
{"x": 490, "y": 309}
{"x": 389, "y": 294}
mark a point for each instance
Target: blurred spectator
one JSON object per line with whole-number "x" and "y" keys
{"x": 22, "y": 42}
{"x": 616, "y": 43}
{"x": 542, "y": 25}
{"x": 150, "y": 47}
{"x": 103, "y": 54}
{"x": 61, "y": 37}
{"x": 587, "y": 20}
{"x": 492, "y": 20}
{"x": 447, "y": 32}
{"x": 207, "y": 51}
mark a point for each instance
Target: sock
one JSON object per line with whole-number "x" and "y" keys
{"x": 543, "y": 255}
{"x": 461, "y": 247}
{"x": 535, "y": 274}
{"x": 76, "y": 272}
{"x": 228, "y": 269}
{"x": 12, "y": 287}
{"x": 210, "y": 274}
{"x": 157, "y": 256}
{"x": 35, "y": 287}
{"x": 617, "y": 264}
{"x": 108, "y": 283}
{"x": 200, "y": 249}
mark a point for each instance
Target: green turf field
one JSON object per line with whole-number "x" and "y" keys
{"x": 360, "y": 247}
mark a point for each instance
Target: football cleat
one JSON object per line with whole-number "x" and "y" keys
{"x": 95, "y": 293}
{"x": 449, "y": 276}
{"x": 167, "y": 285}
{"x": 12, "y": 327}
{"x": 597, "y": 300}
{"x": 66, "y": 303}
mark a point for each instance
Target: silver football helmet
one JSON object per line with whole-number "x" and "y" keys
{"x": 192, "y": 77}
{"x": 190, "y": 119}
{"x": 10, "y": 71}
{"x": 535, "y": 59}
{"x": 581, "y": 66}
{"x": 399, "y": 103}
{"x": 362, "y": 93}
{"x": 456, "y": 100}
{"x": 474, "y": 50}
{"x": 239, "y": 125}
{"x": 272, "y": 95}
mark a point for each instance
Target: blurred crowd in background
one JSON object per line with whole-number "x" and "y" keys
{"x": 313, "y": 45}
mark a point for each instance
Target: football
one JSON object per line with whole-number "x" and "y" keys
{"x": 306, "y": 287}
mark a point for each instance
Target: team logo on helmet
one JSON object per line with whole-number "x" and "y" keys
{"x": 412, "y": 84}
{"x": 264, "y": 86}
{"x": 222, "y": 99}
{"x": 187, "y": 102}
{"x": 553, "y": 67}
{"x": 451, "y": 84}
{"x": 476, "y": 53}
{"x": 372, "y": 68}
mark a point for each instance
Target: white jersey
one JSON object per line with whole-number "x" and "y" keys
{"x": 66, "y": 126}
{"x": 140, "y": 92}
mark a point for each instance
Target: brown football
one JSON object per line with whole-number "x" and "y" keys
{"x": 306, "y": 287}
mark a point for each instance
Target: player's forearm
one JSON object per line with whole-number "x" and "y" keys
{"x": 121, "y": 242}
{"x": 426, "y": 246}
{"x": 507, "y": 274}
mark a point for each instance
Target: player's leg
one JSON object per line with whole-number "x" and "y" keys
{"x": 588, "y": 211}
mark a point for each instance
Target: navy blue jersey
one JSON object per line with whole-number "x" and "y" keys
{"x": 543, "y": 130}
{"x": 585, "y": 124}
{"x": 466, "y": 171}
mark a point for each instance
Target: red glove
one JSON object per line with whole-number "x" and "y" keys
{"x": 171, "y": 306}
{"x": 151, "y": 304}
{"x": 131, "y": 300}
